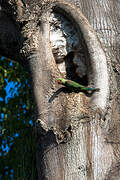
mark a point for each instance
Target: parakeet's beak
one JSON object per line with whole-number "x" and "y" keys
{"x": 58, "y": 81}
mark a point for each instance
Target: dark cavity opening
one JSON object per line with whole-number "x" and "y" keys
{"x": 77, "y": 60}
{"x": 71, "y": 70}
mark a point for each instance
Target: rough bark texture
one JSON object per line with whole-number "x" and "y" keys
{"x": 77, "y": 137}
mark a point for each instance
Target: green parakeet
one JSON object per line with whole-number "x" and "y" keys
{"x": 74, "y": 85}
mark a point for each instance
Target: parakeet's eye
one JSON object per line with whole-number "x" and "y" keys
{"x": 58, "y": 81}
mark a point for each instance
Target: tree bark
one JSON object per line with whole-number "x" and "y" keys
{"x": 93, "y": 151}
{"x": 77, "y": 135}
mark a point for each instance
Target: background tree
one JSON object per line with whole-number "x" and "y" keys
{"x": 17, "y": 149}
{"x": 77, "y": 135}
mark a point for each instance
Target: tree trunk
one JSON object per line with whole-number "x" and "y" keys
{"x": 91, "y": 151}
{"x": 77, "y": 134}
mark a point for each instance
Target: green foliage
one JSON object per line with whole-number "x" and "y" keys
{"x": 17, "y": 147}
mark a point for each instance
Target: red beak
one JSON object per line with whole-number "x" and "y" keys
{"x": 58, "y": 81}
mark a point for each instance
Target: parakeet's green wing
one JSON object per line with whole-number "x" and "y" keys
{"x": 74, "y": 84}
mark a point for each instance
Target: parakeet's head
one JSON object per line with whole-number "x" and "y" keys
{"x": 61, "y": 81}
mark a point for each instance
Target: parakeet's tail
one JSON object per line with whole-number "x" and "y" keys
{"x": 92, "y": 89}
